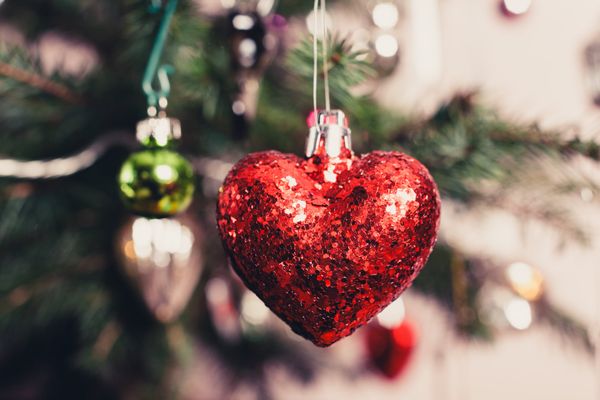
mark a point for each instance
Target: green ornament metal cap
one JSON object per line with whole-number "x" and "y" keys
{"x": 158, "y": 131}
{"x": 156, "y": 182}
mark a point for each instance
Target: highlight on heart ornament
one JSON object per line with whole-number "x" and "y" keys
{"x": 328, "y": 241}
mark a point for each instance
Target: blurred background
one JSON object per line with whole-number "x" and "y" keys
{"x": 498, "y": 98}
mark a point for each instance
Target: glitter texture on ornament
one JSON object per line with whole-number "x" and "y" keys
{"x": 327, "y": 242}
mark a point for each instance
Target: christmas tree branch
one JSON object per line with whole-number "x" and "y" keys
{"x": 347, "y": 68}
{"x": 571, "y": 329}
{"x": 545, "y": 212}
{"x": 548, "y": 141}
{"x": 40, "y": 82}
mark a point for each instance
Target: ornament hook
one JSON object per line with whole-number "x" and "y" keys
{"x": 154, "y": 71}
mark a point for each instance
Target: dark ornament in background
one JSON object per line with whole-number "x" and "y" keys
{"x": 252, "y": 32}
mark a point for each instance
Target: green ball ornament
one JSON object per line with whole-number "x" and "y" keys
{"x": 156, "y": 181}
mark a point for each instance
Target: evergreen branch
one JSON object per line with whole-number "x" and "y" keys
{"x": 545, "y": 212}
{"x": 461, "y": 298}
{"x": 454, "y": 281}
{"x": 549, "y": 141}
{"x": 347, "y": 68}
{"x": 106, "y": 340}
{"x": 588, "y": 148}
{"x": 41, "y": 83}
{"x": 567, "y": 326}
{"x": 476, "y": 157}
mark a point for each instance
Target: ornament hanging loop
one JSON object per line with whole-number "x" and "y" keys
{"x": 156, "y": 5}
{"x": 158, "y": 130}
{"x": 157, "y": 98}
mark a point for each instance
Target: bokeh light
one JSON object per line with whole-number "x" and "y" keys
{"x": 316, "y": 26}
{"x": 518, "y": 313}
{"x": 386, "y": 45}
{"x": 525, "y": 280}
{"x": 253, "y": 310}
{"x": 517, "y": 7}
{"x": 392, "y": 315}
{"x": 385, "y": 15}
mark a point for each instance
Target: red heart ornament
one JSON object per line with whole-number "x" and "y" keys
{"x": 328, "y": 242}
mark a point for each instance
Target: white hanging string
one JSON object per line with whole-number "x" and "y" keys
{"x": 325, "y": 44}
{"x": 322, "y": 29}
{"x": 315, "y": 57}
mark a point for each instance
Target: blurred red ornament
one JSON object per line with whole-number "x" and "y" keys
{"x": 330, "y": 241}
{"x": 390, "y": 350}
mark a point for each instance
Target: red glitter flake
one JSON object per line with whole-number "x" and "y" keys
{"x": 328, "y": 243}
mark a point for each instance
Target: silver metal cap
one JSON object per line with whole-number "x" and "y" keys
{"x": 158, "y": 131}
{"x": 332, "y": 128}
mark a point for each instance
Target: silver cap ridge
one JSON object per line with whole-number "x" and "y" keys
{"x": 332, "y": 127}
{"x": 160, "y": 130}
